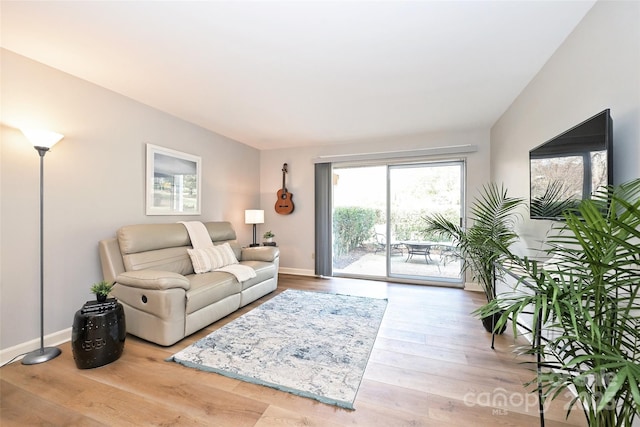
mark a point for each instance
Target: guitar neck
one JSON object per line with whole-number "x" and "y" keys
{"x": 284, "y": 173}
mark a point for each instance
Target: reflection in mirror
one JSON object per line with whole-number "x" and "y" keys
{"x": 571, "y": 167}
{"x": 559, "y": 183}
{"x": 175, "y": 183}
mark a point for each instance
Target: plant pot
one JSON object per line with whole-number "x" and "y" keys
{"x": 101, "y": 298}
{"x": 489, "y": 322}
{"x": 268, "y": 240}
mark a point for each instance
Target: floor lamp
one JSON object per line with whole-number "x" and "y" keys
{"x": 254, "y": 216}
{"x": 42, "y": 141}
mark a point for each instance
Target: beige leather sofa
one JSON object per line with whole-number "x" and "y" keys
{"x": 164, "y": 301}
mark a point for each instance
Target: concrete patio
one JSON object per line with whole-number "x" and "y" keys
{"x": 374, "y": 264}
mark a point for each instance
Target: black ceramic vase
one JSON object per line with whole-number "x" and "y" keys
{"x": 98, "y": 334}
{"x": 490, "y": 321}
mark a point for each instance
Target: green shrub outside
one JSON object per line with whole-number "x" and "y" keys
{"x": 355, "y": 226}
{"x": 409, "y": 224}
{"x": 352, "y": 226}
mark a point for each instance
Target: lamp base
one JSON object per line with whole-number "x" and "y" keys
{"x": 253, "y": 245}
{"x": 41, "y": 355}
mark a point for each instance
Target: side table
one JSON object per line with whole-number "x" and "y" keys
{"x": 98, "y": 333}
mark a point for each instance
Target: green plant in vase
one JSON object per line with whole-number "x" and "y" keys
{"x": 268, "y": 236}
{"x": 587, "y": 296}
{"x": 482, "y": 245}
{"x": 102, "y": 290}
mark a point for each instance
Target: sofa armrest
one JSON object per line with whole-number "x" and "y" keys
{"x": 153, "y": 279}
{"x": 260, "y": 253}
{"x": 111, "y": 259}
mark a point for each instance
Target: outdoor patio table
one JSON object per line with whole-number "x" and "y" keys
{"x": 419, "y": 248}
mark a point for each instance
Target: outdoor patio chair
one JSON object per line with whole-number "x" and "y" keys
{"x": 381, "y": 245}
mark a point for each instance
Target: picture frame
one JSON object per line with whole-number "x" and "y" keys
{"x": 173, "y": 180}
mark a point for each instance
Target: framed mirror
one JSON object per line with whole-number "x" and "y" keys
{"x": 173, "y": 182}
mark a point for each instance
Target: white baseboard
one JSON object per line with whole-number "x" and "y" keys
{"x": 57, "y": 338}
{"x": 51, "y": 340}
{"x": 297, "y": 271}
{"x": 472, "y": 286}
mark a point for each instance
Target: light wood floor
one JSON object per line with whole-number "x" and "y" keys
{"x": 431, "y": 365}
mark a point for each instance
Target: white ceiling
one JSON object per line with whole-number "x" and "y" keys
{"x": 276, "y": 74}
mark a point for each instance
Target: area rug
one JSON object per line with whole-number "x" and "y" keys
{"x": 310, "y": 344}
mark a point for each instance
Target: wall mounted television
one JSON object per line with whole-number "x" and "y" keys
{"x": 571, "y": 167}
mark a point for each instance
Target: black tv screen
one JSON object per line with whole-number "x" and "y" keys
{"x": 571, "y": 167}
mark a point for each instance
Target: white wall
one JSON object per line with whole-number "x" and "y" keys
{"x": 295, "y": 232}
{"x": 597, "y": 67}
{"x": 95, "y": 175}
{"x": 94, "y": 183}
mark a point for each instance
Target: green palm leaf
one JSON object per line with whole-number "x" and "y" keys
{"x": 492, "y": 231}
{"x": 590, "y": 297}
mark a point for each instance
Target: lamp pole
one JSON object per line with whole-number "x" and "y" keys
{"x": 43, "y": 354}
{"x": 254, "y": 236}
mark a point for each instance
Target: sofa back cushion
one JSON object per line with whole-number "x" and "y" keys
{"x": 148, "y": 237}
{"x": 221, "y": 232}
{"x": 164, "y": 246}
{"x": 175, "y": 260}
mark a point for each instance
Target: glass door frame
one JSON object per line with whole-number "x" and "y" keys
{"x": 406, "y": 278}
{"x": 389, "y": 165}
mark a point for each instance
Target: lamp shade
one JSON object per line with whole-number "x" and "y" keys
{"x": 254, "y": 216}
{"x": 42, "y": 138}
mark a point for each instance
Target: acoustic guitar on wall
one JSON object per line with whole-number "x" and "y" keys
{"x": 284, "y": 205}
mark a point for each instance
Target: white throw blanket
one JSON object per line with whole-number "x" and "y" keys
{"x": 242, "y": 272}
{"x": 200, "y": 239}
{"x": 198, "y": 234}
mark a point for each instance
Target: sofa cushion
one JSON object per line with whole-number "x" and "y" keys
{"x": 146, "y": 239}
{"x": 153, "y": 279}
{"x": 208, "y": 259}
{"x": 170, "y": 259}
{"x": 209, "y": 288}
{"x": 149, "y": 237}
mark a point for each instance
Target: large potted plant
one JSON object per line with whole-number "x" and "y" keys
{"x": 482, "y": 245}
{"x": 587, "y": 295}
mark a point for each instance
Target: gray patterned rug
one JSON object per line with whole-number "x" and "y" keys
{"x": 310, "y": 344}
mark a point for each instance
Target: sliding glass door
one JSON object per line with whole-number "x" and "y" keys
{"x": 378, "y": 221}
{"x": 416, "y": 191}
{"x": 359, "y": 217}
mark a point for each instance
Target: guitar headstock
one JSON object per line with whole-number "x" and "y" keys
{"x": 284, "y": 168}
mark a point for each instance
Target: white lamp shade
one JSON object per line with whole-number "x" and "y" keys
{"x": 42, "y": 138}
{"x": 254, "y": 216}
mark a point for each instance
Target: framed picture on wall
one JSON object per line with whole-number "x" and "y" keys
{"x": 173, "y": 182}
